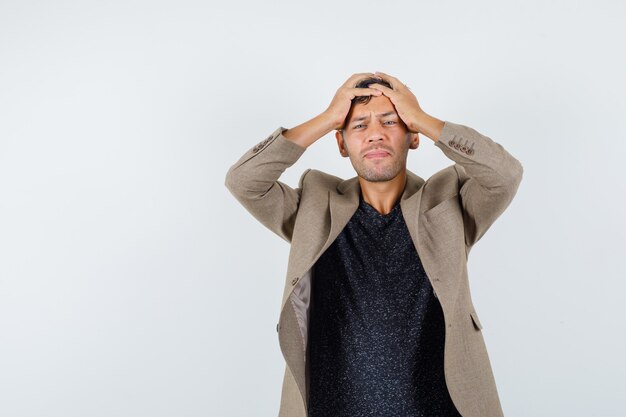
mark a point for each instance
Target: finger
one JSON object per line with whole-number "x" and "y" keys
{"x": 356, "y": 92}
{"x": 384, "y": 89}
{"x": 396, "y": 81}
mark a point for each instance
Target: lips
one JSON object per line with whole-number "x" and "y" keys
{"x": 377, "y": 154}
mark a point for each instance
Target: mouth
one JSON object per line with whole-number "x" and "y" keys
{"x": 377, "y": 154}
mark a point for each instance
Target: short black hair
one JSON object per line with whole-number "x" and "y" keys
{"x": 364, "y": 84}
{"x": 363, "y": 99}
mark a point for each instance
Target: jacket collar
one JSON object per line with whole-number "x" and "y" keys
{"x": 344, "y": 204}
{"x": 351, "y": 188}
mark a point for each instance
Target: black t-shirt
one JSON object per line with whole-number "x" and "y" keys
{"x": 376, "y": 331}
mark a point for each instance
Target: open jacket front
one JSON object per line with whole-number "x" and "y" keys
{"x": 446, "y": 215}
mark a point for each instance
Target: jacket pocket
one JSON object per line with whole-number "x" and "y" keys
{"x": 475, "y": 320}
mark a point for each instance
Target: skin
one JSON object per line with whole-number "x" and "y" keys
{"x": 377, "y": 126}
{"x": 382, "y": 179}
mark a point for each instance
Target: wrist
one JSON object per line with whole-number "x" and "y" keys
{"x": 427, "y": 125}
{"x": 331, "y": 121}
{"x": 418, "y": 122}
{"x": 309, "y": 132}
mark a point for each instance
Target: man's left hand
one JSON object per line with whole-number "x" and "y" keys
{"x": 403, "y": 100}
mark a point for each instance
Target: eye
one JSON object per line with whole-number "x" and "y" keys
{"x": 390, "y": 121}
{"x": 357, "y": 126}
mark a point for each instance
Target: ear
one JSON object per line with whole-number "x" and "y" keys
{"x": 415, "y": 141}
{"x": 340, "y": 144}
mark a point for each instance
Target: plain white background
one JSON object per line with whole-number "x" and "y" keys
{"x": 133, "y": 284}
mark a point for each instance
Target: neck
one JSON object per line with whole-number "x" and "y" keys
{"x": 383, "y": 196}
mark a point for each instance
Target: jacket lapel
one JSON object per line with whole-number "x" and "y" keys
{"x": 410, "y": 203}
{"x": 344, "y": 203}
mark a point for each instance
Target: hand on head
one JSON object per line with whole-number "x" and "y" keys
{"x": 373, "y": 84}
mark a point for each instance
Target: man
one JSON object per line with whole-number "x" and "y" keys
{"x": 377, "y": 317}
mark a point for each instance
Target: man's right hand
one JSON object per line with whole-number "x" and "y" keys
{"x": 334, "y": 116}
{"x": 340, "y": 105}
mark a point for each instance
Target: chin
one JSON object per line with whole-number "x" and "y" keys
{"x": 377, "y": 176}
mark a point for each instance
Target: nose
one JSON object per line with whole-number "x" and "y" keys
{"x": 374, "y": 133}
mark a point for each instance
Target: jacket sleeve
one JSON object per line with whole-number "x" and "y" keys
{"x": 488, "y": 175}
{"x": 253, "y": 181}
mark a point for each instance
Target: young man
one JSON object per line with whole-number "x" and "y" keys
{"x": 377, "y": 317}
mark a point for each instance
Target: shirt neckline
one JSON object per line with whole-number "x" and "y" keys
{"x": 368, "y": 207}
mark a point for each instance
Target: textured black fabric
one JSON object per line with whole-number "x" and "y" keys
{"x": 376, "y": 331}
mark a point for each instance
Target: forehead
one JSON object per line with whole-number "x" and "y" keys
{"x": 377, "y": 106}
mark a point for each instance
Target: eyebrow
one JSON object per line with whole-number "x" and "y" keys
{"x": 380, "y": 115}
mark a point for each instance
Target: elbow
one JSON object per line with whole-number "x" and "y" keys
{"x": 515, "y": 175}
{"x": 519, "y": 172}
{"x": 228, "y": 180}
{"x": 242, "y": 186}
{"x": 510, "y": 178}
{"x": 232, "y": 181}
{"x": 513, "y": 169}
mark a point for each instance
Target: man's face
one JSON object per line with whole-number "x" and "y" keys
{"x": 376, "y": 140}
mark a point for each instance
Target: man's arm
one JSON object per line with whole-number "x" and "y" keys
{"x": 489, "y": 176}
{"x": 253, "y": 179}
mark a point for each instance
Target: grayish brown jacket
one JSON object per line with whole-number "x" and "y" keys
{"x": 446, "y": 215}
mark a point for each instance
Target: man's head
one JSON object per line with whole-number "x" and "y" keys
{"x": 374, "y": 137}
